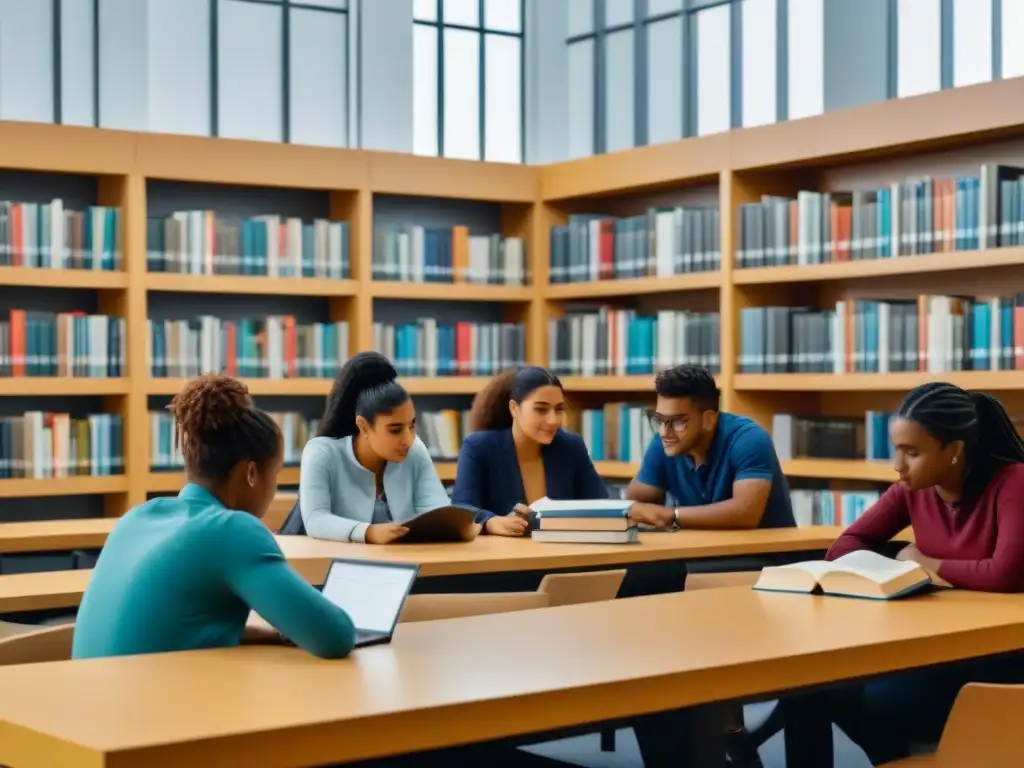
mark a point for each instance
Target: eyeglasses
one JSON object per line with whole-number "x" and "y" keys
{"x": 670, "y": 423}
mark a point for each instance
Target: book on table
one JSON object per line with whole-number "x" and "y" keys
{"x": 584, "y": 521}
{"x": 858, "y": 574}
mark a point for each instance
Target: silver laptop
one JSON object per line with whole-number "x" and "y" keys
{"x": 372, "y": 594}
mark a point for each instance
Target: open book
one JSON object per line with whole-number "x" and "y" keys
{"x": 444, "y": 524}
{"x": 858, "y": 574}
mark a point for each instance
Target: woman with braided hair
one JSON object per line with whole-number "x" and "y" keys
{"x": 960, "y": 463}
{"x": 184, "y": 572}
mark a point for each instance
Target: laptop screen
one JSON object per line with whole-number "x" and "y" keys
{"x": 370, "y": 593}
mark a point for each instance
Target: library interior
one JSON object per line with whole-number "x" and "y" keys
{"x": 614, "y": 343}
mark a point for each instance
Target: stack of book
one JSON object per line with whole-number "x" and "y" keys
{"x": 588, "y": 521}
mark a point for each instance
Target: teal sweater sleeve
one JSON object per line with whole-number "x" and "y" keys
{"x": 256, "y": 571}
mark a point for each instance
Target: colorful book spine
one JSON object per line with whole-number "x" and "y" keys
{"x": 49, "y": 236}
{"x": 40, "y": 445}
{"x": 429, "y": 348}
{"x": 448, "y": 255}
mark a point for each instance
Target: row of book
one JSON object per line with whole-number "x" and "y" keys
{"x": 430, "y": 348}
{"x": 624, "y": 342}
{"x": 916, "y": 217}
{"x": 934, "y": 334}
{"x": 824, "y": 507}
{"x": 617, "y": 432}
{"x": 61, "y": 344}
{"x": 40, "y": 445}
{"x": 659, "y": 243}
{"x": 832, "y": 438}
{"x": 274, "y": 347}
{"x": 205, "y": 243}
{"x": 50, "y": 236}
{"x": 441, "y": 431}
{"x": 448, "y": 255}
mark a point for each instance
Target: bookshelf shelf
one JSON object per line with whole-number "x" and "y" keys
{"x": 881, "y": 268}
{"x": 384, "y": 289}
{"x": 171, "y": 482}
{"x": 257, "y": 387}
{"x": 444, "y": 385}
{"x": 263, "y": 286}
{"x": 68, "y": 486}
{"x": 29, "y": 386}
{"x": 875, "y": 382}
{"x": 445, "y": 469}
{"x": 600, "y": 289}
{"x": 616, "y": 470}
{"x": 644, "y": 383}
{"x": 96, "y": 279}
{"x": 839, "y": 469}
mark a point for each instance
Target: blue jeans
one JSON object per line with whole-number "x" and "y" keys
{"x": 883, "y": 717}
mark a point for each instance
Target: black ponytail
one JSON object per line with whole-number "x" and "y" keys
{"x": 949, "y": 413}
{"x": 365, "y": 386}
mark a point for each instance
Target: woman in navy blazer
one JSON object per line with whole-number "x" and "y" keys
{"x": 518, "y": 452}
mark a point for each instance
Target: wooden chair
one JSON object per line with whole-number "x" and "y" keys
{"x": 555, "y": 589}
{"x": 37, "y": 645}
{"x": 980, "y": 730}
{"x": 279, "y": 509}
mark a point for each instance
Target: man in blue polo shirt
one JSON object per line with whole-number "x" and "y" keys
{"x": 720, "y": 469}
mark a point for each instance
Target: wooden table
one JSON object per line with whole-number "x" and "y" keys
{"x": 588, "y": 664}
{"x": 487, "y": 554}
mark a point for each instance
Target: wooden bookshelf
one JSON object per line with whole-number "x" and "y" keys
{"x": 838, "y": 150}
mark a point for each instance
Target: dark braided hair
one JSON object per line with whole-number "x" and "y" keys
{"x": 217, "y": 426}
{"x": 690, "y": 381}
{"x": 490, "y": 406}
{"x": 365, "y": 386}
{"x": 949, "y": 413}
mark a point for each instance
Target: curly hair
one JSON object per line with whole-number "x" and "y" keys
{"x": 365, "y": 386}
{"x": 490, "y": 406}
{"x": 217, "y": 426}
{"x": 690, "y": 381}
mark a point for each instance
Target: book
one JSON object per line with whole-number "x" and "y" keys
{"x": 627, "y": 536}
{"x": 445, "y": 524}
{"x": 583, "y": 521}
{"x": 586, "y": 508}
{"x": 857, "y": 574}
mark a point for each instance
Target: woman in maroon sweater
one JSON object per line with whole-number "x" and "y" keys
{"x": 961, "y": 467}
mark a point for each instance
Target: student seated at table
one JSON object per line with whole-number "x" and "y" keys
{"x": 184, "y": 572}
{"x": 517, "y": 452}
{"x": 722, "y": 472}
{"x": 721, "y": 469}
{"x": 960, "y": 463}
{"x": 365, "y": 471}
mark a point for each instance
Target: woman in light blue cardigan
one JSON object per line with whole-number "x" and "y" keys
{"x": 365, "y": 471}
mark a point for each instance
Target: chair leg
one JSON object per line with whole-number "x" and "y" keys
{"x": 607, "y": 741}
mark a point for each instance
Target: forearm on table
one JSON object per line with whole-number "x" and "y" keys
{"x": 723, "y": 515}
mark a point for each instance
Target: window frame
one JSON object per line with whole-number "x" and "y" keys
{"x": 482, "y": 31}
{"x": 286, "y": 6}
{"x": 686, "y": 16}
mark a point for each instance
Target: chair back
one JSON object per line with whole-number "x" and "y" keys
{"x": 280, "y": 508}
{"x": 431, "y": 607}
{"x": 293, "y": 524}
{"x": 573, "y": 588}
{"x": 38, "y": 645}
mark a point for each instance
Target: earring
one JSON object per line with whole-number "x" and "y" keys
{"x": 955, "y": 459}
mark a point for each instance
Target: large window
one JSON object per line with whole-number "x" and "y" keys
{"x": 279, "y": 70}
{"x": 650, "y": 71}
{"x": 468, "y": 79}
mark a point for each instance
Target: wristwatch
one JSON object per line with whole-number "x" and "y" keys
{"x": 675, "y": 517}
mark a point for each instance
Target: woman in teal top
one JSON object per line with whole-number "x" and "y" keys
{"x": 184, "y": 572}
{"x": 366, "y": 471}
